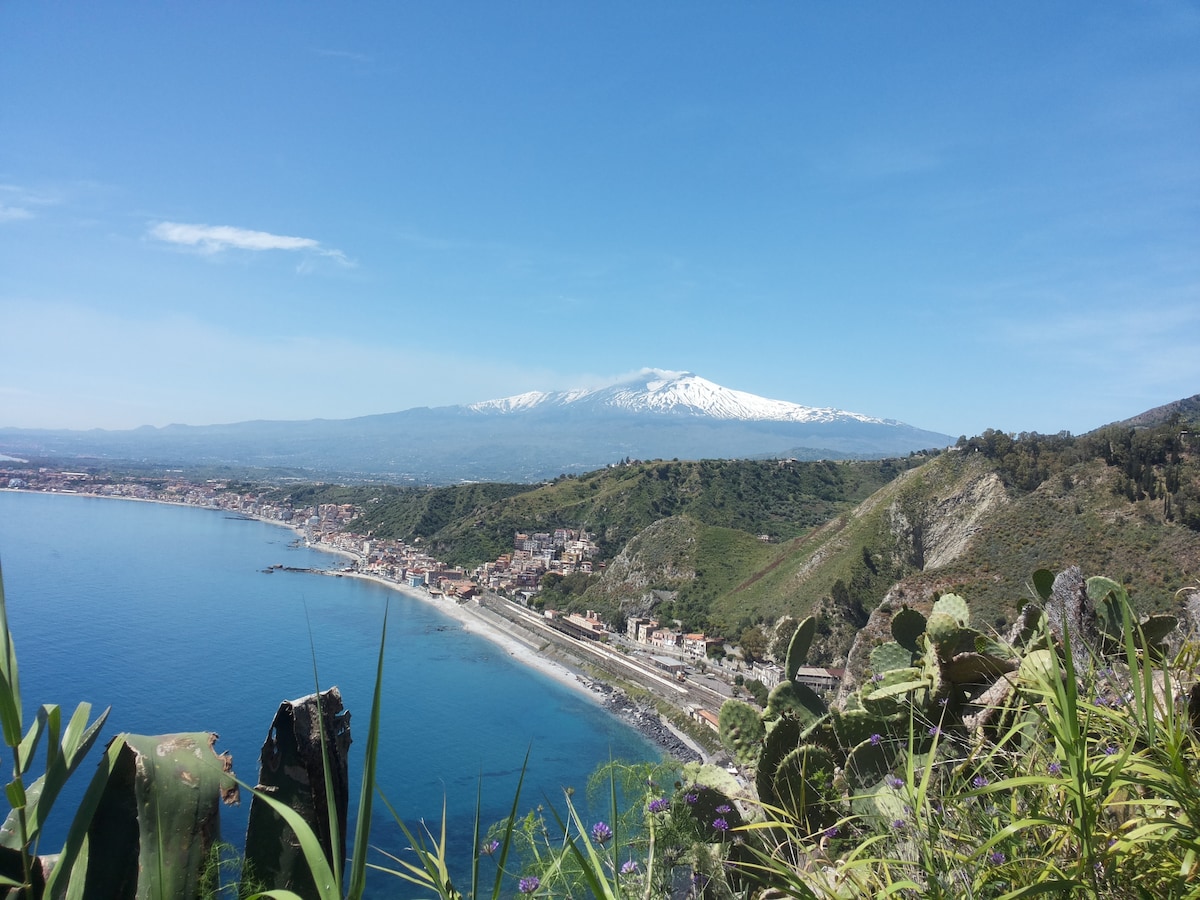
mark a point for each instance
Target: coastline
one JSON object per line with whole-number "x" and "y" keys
{"x": 642, "y": 718}
{"x": 515, "y": 642}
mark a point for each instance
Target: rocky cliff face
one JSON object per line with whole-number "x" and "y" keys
{"x": 660, "y": 558}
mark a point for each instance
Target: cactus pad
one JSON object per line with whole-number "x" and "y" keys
{"x": 803, "y": 785}
{"x": 793, "y": 700}
{"x": 954, "y": 606}
{"x": 742, "y": 731}
{"x": 889, "y": 656}
{"x": 943, "y": 630}
{"x": 798, "y": 647}
{"x": 907, "y": 627}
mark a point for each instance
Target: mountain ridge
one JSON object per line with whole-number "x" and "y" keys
{"x": 527, "y": 438}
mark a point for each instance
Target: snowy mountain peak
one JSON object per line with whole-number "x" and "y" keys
{"x": 673, "y": 393}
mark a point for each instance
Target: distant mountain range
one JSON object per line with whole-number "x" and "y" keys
{"x": 529, "y": 437}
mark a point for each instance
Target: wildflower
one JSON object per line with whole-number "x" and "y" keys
{"x": 528, "y": 885}
{"x": 898, "y": 824}
{"x": 893, "y": 782}
{"x": 979, "y": 782}
{"x": 601, "y": 833}
{"x": 724, "y": 808}
{"x": 629, "y": 867}
{"x": 691, "y": 798}
{"x": 659, "y": 804}
{"x": 490, "y": 847}
{"x": 1101, "y": 700}
{"x": 831, "y": 832}
{"x": 877, "y": 677}
{"x": 876, "y": 739}
{"x": 1110, "y": 750}
{"x": 720, "y": 824}
{"x": 998, "y": 858}
{"x": 1055, "y": 768}
{"x": 934, "y": 731}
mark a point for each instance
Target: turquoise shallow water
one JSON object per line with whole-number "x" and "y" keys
{"x": 164, "y": 613}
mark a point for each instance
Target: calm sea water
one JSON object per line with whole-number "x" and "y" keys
{"x": 164, "y": 613}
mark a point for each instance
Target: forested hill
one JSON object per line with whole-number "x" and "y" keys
{"x": 474, "y": 523}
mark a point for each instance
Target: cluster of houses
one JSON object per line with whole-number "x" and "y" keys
{"x": 651, "y": 632}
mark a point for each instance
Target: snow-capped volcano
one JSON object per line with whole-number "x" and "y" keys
{"x": 676, "y": 393}
{"x": 654, "y": 415}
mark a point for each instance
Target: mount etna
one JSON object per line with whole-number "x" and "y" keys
{"x": 529, "y": 437}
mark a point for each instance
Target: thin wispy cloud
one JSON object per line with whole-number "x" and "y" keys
{"x": 13, "y": 213}
{"x": 219, "y": 238}
{"x": 17, "y": 203}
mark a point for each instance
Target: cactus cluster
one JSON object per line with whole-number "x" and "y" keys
{"x": 938, "y": 687}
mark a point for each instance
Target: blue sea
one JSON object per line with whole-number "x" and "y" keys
{"x": 164, "y": 613}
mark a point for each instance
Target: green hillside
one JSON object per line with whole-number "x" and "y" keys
{"x": 979, "y": 520}
{"x": 471, "y": 524}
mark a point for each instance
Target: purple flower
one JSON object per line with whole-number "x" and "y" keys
{"x": 877, "y": 677}
{"x": 979, "y": 782}
{"x": 876, "y": 739}
{"x": 898, "y": 824}
{"x": 831, "y": 832}
{"x": 934, "y": 731}
{"x": 1110, "y": 750}
{"x": 601, "y": 833}
{"x": 691, "y": 798}
{"x": 998, "y": 858}
{"x": 490, "y": 847}
{"x": 659, "y": 804}
{"x": 528, "y": 885}
{"x": 629, "y": 867}
{"x": 893, "y": 782}
{"x": 724, "y": 808}
{"x": 1055, "y": 768}
{"x": 720, "y": 824}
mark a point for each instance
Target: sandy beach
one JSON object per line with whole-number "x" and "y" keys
{"x": 470, "y": 616}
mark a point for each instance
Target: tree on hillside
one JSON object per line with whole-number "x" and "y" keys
{"x": 754, "y": 642}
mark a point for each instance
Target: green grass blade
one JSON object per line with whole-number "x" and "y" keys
{"x": 362, "y": 828}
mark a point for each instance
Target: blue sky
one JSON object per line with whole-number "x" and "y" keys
{"x": 957, "y": 215}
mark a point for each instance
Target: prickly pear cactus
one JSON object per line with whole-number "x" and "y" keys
{"x": 803, "y": 786}
{"x": 953, "y": 606}
{"x": 797, "y": 650}
{"x": 942, "y": 630}
{"x": 907, "y": 627}
{"x": 794, "y": 700}
{"x": 742, "y": 731}
{"x": 889, "y": 656}
{"x": 893, "y": 690}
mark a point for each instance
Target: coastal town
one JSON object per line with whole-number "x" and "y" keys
{"x": 691, "y": 672}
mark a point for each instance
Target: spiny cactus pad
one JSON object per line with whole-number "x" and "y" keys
{"x": 907, "y": 626}
{"x": 742, "y": 731}
{"x": 889, "y": 656}
{"x": 853, "y": 726}
{"x": 798, "y": 647}
{"x": 1155, "y": 628}
{"x": 803, "y": 784}
{"x": 954, "y": 606}
{"x": 794, "y": 700}
{"x": 942, "y": 629}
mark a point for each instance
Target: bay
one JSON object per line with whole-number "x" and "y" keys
{"x": 165, "y": 614}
